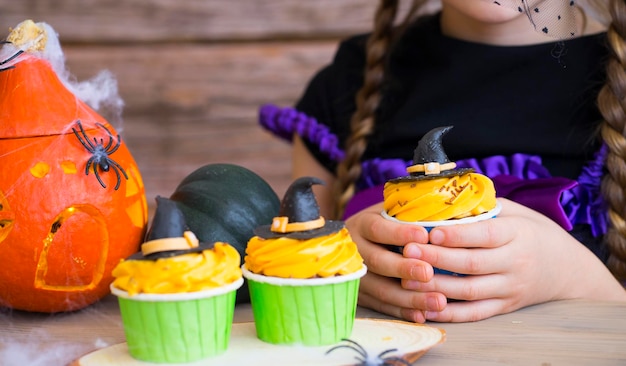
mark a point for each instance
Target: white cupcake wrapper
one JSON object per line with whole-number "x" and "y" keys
{"x": 466, "y": 220}
{"x": 302, "y": 281}
{"x": 179, "y": 296}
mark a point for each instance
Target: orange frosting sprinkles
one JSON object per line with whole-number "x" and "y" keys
{"x": 325, "y": 256}
{"x": 440, "y": 198}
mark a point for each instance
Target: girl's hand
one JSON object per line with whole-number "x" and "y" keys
{"x": 381, "y": 288}
{"x": 518, "y": 259}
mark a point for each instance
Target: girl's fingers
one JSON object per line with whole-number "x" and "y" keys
{"x": 371, "y": 226}
{"x": 474, "y": 261}
{"x": 459, "y": 312}
{"x": 412, "y": 315}
{"x": 489, "y": 233}
{"x": 469, "y": 288}
{"x": 381, "y": 260}
{"x": 385, "y": 295}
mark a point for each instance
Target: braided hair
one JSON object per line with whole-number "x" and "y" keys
{"x": 368, "y": 98}
{"x": 612, "y": 106}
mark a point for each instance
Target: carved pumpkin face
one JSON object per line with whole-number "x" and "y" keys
{"x": 72, "y": 201}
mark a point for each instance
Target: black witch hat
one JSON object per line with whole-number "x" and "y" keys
{"x": 430, "y": 160}
{"x": 299, "y": 215}
{"x": 168, "y": 236}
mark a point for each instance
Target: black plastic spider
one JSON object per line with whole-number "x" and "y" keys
{"x": 9, "y": 59}
{"x": 101, "y": 152}
{"x": 365, "y": 359}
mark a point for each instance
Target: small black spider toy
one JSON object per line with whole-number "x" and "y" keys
{"x": 101, "y": 152}
{"x": 2, "y": 68}
{"x": 366, "y": 360}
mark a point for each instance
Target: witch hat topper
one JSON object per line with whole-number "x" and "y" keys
{"x": 168, "y": 236}
{"x": 299, "y": 216}
{"x": 430, "y": 160}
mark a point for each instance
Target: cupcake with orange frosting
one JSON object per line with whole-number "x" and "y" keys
{"x": 435, "y": 193}
{"x": 303, "y": 273}
{"x": 177, "y": 296}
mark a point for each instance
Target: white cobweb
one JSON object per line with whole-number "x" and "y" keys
{"x": 34, "y": 346}
{"x": 100, "y": 92}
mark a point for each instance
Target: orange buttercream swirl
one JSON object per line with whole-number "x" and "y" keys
{"x": 191, "y": 272}
{"x": 283, "y": 257}
{"x": 440, "y": 199}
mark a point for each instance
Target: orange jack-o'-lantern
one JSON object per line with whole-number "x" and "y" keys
{"x": 72, "y": 201}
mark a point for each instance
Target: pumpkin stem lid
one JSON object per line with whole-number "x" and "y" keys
{"x": 28, "y": 36}
{"x": 32, "y": 71}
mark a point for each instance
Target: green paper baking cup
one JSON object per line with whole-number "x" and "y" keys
{"x": 310, "y": 312}
{"x": 180, "y": 327}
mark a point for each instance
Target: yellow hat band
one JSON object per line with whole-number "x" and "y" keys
{"x": 281, "y": 225}
{"x": 430, "y": 168}
{"x": 188, "y": 241}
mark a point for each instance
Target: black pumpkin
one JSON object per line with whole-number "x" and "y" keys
{"x": 226, "y": 202}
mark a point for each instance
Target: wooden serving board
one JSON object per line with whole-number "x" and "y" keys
{"x": 410, "y": 340}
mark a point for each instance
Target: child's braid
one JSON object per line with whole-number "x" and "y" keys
{"x": 612, "y": 105}
{"x": 367, "y": 100}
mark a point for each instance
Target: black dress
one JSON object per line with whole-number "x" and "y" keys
{"x": 536, "y": 100}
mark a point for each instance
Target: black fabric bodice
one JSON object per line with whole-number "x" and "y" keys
{"x": 537, "y": 99}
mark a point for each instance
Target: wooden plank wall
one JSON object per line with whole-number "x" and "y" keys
{"x": 193, "y": 73}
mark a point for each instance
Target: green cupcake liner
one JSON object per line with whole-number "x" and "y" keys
{"x": 171, "y": 330}
{"x": 310, "y": 315}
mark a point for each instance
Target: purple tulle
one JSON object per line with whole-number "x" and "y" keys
{"x": 285, "y": 122}
{"x": 584, "y": 203}
{"x": 520, "y": 177}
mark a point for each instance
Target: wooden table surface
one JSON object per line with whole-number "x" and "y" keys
{"x": 571, "y": 332}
